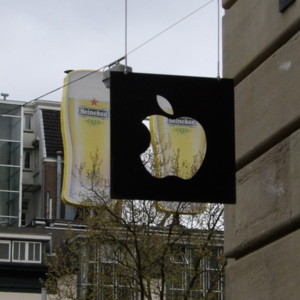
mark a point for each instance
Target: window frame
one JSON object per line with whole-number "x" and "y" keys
{"x": 28, "y": 119}
{"x": 28, "y": 151}
{"x": 24, "y": 213}
{"x": 26, "y": 252}
{"x": 9, "y": 250}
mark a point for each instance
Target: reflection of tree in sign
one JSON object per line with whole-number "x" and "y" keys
{"x": 159, "y": 164}
{"x": 178, "y": 145}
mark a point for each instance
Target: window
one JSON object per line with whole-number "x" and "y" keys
{"x": 26, "y": 252}
{"x": 207, "y": 281}
{"x": 212, "y": 280}
{"x": 24, "y": 212}
{"x": 27, "y": 122}
{"x": 104, "y": 275}
{"x": 4, "y": 250}
{"x": 178, "y": 255}
{"x": 27, "y": 161}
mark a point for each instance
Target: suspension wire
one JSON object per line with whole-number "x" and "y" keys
{"x": 79, "y": 78}
{"x": 125, "y": 71}
{"x": 133, "y": 50}
{"x": 218, "y": 36}
{"x": 171, "y": 26}
{"x": 61, "y": 87}
{"x": 75, "y": 80}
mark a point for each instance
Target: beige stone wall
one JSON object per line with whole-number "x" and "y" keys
{"x": 253, "y": 31}
{"x": 268, "y": 201}
{"x": 261, "y": 51}
{"x": 272, "y": 272}
{"x": 19, "y": 296}
{"x": 267, "y": 101}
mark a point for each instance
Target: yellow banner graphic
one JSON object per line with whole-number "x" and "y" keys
{"x": 85, "y": 116}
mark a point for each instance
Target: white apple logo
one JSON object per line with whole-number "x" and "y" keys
{"x": 177, "y": 147}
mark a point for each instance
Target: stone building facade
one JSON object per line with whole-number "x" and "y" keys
{"x": 261, "y": 51}
{"x": 33, "y": 220}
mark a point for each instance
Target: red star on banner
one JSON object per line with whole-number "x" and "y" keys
{"x": 94, "y": 101}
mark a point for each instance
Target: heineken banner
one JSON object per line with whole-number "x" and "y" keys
{"x": 85, "y": 131}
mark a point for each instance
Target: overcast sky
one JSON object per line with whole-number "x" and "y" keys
{"x": 41, "y": 39}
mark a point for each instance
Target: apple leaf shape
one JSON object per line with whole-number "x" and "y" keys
{"x": 164, "y": 104}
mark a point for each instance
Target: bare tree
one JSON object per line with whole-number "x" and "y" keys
{"x": 132, "y": 249}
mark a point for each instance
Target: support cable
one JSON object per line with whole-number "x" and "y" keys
{"x": 171, "y": 26}
{"x": 125, "y": 71}
{"x": 218, "y": 44}
{"x": 133, "y": 50}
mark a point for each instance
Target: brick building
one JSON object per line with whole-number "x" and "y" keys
{"x": 32, "y": 218}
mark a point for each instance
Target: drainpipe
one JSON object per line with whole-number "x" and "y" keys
{"x": 48, "y": 207}
{"x": 44, "y": 293}
{"x": 58, "y": 184}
